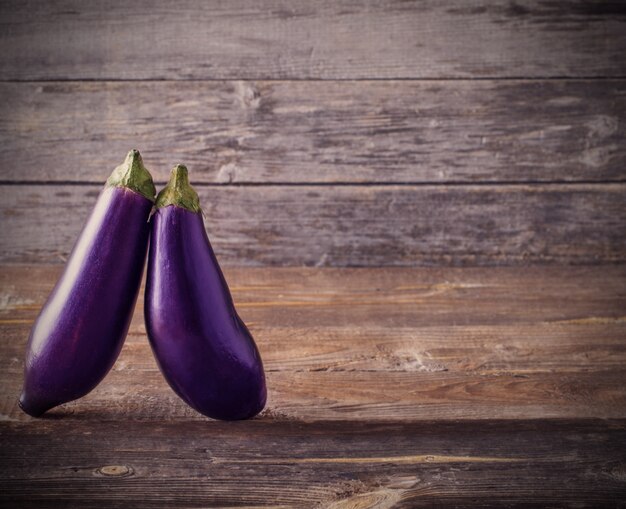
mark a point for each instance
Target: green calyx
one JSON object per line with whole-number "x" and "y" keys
{"x": 178, "y": 191}
{"x": 133, "y": 175}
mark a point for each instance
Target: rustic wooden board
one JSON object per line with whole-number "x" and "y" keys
{"x": 371, "y": 299}
{"x": 269, "y": 39}
{"x": 412, "y": 344}
{"x": 323, "y": 464}
{"x": 449, "y": 401}
{"x": 356, "y": 225}
{"x": 133, "y": 393}
{"x": 317, "y": 132}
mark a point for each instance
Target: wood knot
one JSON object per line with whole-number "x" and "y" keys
{"x": 249, "y": 95}
{"x": 619, "y": 472}
{"x": 227, "y": 173}
{"x": 115, "y": 471}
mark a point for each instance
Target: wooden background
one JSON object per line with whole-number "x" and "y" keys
{"x": 421, "y": 208}
{"x": 328, "y": 133}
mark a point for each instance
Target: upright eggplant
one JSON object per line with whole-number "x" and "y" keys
{"x": 81, "y": 328}
{"x": 203, "y": 348}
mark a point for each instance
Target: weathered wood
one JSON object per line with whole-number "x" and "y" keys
{"x": 254, "y": 39}
{"x": 372, "y": 396}
{"x": 317, "y": 132}
{"x": 356, "y": 225}
{"x": 371, "y": 344}
{"x": 392, "y": 387}
{"x": 387, "y": 387}
{"x": 283, "y": 464}
{"x": 371, "y": 299}
{"x": 483, "y": 350}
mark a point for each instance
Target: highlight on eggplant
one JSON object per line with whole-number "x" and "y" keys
{"x": 80, "y": 330}
{"x": 201, "y": 345}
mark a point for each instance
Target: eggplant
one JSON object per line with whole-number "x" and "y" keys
{"x": 204, "y": 350}
{"x": 80, "y": 330}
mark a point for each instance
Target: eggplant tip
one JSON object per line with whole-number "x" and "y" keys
{"x": 29, "y": 408}
{"x": 134, "y": 160}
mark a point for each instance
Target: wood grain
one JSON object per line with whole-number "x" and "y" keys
{"x": 371, "y": 396}
{"x": 413, "y": 345}
{"x": 336, "y": 133}
{"x": 483, "y": 387}
{"x": 356, "y": 225}
{"x": 317, "y": 132}
{"x": 338, "y": 465}
{"x": 312, "y": 299}
{"x": 248, "y": 39}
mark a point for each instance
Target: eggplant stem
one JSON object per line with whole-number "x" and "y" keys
{"x": 178, "y": 191}
{"x": 133, "y": 175}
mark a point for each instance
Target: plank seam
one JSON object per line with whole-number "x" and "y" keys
{"x": 452, "y": 183}
{"x": 287, "y": 80}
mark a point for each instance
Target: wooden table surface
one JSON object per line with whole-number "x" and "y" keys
{"x": 396, "y": 387}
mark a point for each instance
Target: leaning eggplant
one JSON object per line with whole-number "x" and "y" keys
{"x": 203, "y": 348}
{"x": 81, "y": 328}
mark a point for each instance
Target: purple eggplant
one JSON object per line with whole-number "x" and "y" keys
{"x": 81, "y": 328}
{"x": 202, "y": 347}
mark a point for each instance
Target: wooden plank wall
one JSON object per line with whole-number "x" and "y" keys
{"x": 330, "y": 133}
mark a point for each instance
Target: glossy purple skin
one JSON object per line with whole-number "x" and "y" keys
{"x": 81, "y": 328}
{"x": 203, "y": 348}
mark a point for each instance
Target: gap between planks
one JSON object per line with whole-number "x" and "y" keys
{"x": 453, "y": 183}
{"x": 426, "y": 79}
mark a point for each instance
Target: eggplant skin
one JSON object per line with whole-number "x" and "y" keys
{"x": 202, "y": 347}
{"x": 80, "y": 330}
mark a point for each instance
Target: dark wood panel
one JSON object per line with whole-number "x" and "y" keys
{"x": 354, "y": 131}
{"x": 356, "y": 225}
{"x": 328, "y": 39}
{"x": 338, "y": 465}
